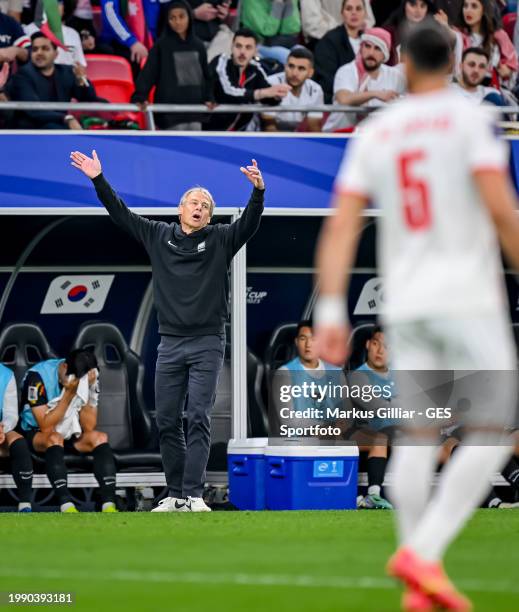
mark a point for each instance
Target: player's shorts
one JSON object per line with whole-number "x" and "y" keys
{"x": 68, "y": 445}
{"x": 467, "y": 364}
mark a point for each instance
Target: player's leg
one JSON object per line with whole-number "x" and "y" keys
{"x": 21, "y": 468}
{"x": 96, "y": 443}
{"x": 170, "y": 396}
{"x": 490, "y": 392}
{"x": 414, "y": 454}
{"x": 205, "y": 363}
{"x": 51, "y": 445}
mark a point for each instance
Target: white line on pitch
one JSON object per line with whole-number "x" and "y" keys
{"x": 336, "y": 582}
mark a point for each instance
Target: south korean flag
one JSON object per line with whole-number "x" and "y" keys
{"x": 77, "y": 294}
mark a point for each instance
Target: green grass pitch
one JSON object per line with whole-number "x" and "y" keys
{"x": 242, "y": 561}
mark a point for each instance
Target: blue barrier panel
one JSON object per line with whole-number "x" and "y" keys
{"x": 153, "y": 170}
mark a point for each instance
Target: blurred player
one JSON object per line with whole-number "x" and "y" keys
{"x": 435, "y": 166}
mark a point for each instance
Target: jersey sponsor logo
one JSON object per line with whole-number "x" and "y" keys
{"x": 77, "y": 294}
{"x": 171, "y": 244}
{"x": 201, "y": 247}
{"x": 371, "y": 298}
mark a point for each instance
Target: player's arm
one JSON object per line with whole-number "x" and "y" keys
{"x": 139, "y": 227}
{"x": 499, "y": 197}
{"x": 335, "y": 257}
{"x": 88, "y": 417}
{"x": 37, "y": 400}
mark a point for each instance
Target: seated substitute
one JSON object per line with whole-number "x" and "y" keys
{"x": 306, "y": 369}
{"x": 12, "y": 444}
{"x": 59, "y": 410}
{"x": 298, "y": 73}
{"x": 374, "y": 435}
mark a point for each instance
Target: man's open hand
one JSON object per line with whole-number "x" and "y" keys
{"x": 253, "y": 173}
{"x": 90, "y": 166}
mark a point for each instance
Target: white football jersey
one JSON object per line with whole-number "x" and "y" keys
{"x": 437, "y": 247}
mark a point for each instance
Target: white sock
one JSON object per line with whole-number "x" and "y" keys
{"x": 23, "y": 505}
{"x": 374, "y": 490}
{"x": 107, "y": 505}
{"x": 412, "y": 468}
{"x": 66, "y": 506}
{"x": 463, "y": 484}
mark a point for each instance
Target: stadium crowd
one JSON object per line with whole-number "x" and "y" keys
{"x": 272, "y": 52}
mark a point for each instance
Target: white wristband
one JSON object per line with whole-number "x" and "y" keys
{"x": 330, "y": 310}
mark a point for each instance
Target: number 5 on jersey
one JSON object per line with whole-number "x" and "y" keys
{"x": 415, "y": 192}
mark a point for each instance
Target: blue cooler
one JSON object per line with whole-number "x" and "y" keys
{"x": 311, "y": 477}
{"x": 246, "y": 466}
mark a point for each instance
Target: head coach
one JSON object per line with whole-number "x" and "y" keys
{"x": 190, "y": 266}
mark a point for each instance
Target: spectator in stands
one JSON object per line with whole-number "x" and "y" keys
{"x": 74, "y": 54}
{"x": 408, "y": 13}
{"x": 298, "y": 74}
{"x": 474, "y": 69}
{"x": 210, "y": 26}
{"x": 59, "y": 410}
{"x": 41, "y": 80}
{"x": 477, "y": 27}
{"x": 374, "y": 435}
{"x": 14, "y": 43}
{"x": 240, "y": 79}
{"x": 318, "y": 17}
{"x": 367, "y": 81}
{"x": 276, "y": 23}
{"x": 91, "y": 43}
{"x": 13, "y": 8}
{"x": 131, "y": 27}
{"x": 79, "y": 15}
{"x": 177, "y": 67}
{"x": 340, "y": 45}
{"x": 11, "y": 442}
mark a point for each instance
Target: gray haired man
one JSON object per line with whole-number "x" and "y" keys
{"x": 190, "y": 266}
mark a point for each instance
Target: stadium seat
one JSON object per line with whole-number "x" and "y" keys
{"x": 281, "y": 347}
{"x": 358, "y": 339}
{"x": 23, "y": 345}
{"x": 257, "y": 413}
{"x": 122, "y": 413}
{"x": 111, "y": 76}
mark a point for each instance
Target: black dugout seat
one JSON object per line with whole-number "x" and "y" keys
{"x": 358, "y": 339}
{"x": 23, "y": 345}
{"x": 257, "y": 419}
{"x": 122, "y": 413}
{"x": 281, "y": 348}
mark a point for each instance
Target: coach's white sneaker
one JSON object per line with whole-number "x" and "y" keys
{"x": 197, "y": 504}
{"x": 172, "y": 504}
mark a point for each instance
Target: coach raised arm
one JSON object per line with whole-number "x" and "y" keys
{"x": 190, "y": 267}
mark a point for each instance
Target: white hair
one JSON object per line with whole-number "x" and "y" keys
{"x": 202, "y": 190}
